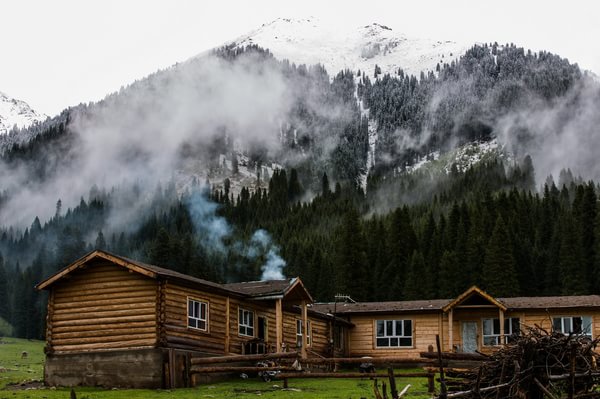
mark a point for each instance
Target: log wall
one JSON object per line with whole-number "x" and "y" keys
{"x": 102, "y": 306}
{"x": 530, "y": 318}
{"x": 176, "y": 331}
{"x": 362, "y": 336}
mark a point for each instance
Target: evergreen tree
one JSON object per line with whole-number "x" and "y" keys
{"x": 350, "y": 268}
{"x": 4, "y": 301}
{"x": 499, "y": 275}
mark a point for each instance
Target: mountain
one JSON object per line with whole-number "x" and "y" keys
{"x": 311, "y": 41}
{"x": 17, "y": 113}
{"x": 422, "y": 164}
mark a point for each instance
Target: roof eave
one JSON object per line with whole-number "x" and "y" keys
{"x": 86, "y": 258}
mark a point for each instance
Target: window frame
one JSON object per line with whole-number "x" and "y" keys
{"x": 394, "y": 336}
{"x": 201, "y": 302}
{"x": 243, "y": 325}
{"x": 300, "y": 333}
{"x": 508, "y": 321}
{"x": 590, "y": 329}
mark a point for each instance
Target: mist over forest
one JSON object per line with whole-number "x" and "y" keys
{"x": 237, "y": 166}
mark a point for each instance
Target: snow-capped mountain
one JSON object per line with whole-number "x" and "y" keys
{"x": 17, "y": 113}
{"x": 310, "y": 41}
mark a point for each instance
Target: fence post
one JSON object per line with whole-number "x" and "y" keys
{"x": 443, "y": 391}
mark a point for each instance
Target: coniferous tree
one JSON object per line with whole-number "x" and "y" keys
{"x": 4, "y": 300}
{"x": 350, "y": 268}
{"x": 499, "y": 275}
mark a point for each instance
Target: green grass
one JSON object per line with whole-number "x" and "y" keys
{"x": 31, "y": 369}
{"x": 14, "y": 369}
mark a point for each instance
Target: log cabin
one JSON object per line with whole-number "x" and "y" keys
{"x": 117, "y": 322}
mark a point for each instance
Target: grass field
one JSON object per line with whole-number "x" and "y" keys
{"x": 15, "y": 371}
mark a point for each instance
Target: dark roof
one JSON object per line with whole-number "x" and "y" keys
{"x": 552, "y": 302}
{"x": 395, "y": 306}
{"x": 547, "y": 302}
{"x": 261, "y": 288}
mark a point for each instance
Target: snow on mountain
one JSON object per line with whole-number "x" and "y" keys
{"x": 18, "y": 113}
{"x": 462, "y": 158}
{"x": 310, "y": 41}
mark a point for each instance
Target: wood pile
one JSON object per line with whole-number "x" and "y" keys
{"x": 534, "y": 365}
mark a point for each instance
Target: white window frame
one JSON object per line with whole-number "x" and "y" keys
{"x": 300, "y": 333}
{"x": 194, "y": 314}
{"x": 395, "y": 338}
{"x": 246, "y": 322}
{"x": 493, "y": 339}
{"x": 586, "y": 328}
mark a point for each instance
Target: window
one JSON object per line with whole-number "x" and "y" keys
{"x": 394, "y": 333}
{"x": 197, "y": 314}
{"x": 299, "y": 332}
{"x": 491, "y": 330}
{"x": 246, "y": 322}
{"x": 573, "y": 324}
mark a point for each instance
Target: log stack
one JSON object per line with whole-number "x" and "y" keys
{"x": 534, "y": 365}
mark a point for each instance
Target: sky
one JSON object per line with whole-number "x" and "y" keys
{"x": 64, "y": 52}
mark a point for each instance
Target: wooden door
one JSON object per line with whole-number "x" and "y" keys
{"x": 469, "y": 336}
{"x": 262, "y": 328}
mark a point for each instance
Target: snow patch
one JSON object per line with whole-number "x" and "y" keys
{"x": 310, "y": 41}
{"x": 16, "y": 113}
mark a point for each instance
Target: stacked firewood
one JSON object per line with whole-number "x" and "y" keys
{"x": 535, "y": 364}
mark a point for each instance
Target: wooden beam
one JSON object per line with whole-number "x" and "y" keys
{"x": 346, "y": 375}
{"x": 501, "y": 318}
{"x": 242, "y": 358}
{"x": 303, "y": 352}
{"x": 374, "y": 360}
{"x": 278, "y": 325}
{"x": 238, "y": 369}
{"x": 451, "y": 331}
{"x": 454, "y": 356}
{"x": 227, "y": 325}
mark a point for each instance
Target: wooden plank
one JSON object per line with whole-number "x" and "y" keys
{"x": 346, "y": 375}
{"x": 142, "y": 343}
{"x": 243, "y": 358}
{"x": 105, "y": 338}
{"x": 124, "y": 298}
{"x": 87, "y": 295}
{"x": 453, "y": 356}
{"x": 106, "y": 308}
{"x": 100, "y": 327}
{"x": 194, "y": 344}
{"x": 303, "y": 307}
{"x": 238, "y": 369}
{"x": 91, "y": 288}
{"x": 106, "y": 332}
{"x": 226, "y": 342}
{"x": 105, "y": 320}
{"x": 374, "y": 360}
{"x": 85, "y": 315}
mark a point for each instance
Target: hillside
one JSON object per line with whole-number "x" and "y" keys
{"x": 311, "y": 41}
{"x": 241, "y": 159}
{"x": 16, "y": 113}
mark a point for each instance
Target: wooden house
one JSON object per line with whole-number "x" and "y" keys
{"x": 472, "y": 322}
{"x": 114, "y": 322}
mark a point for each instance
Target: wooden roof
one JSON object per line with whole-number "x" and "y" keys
{"x": 381, "y": 307}
{"x": 444, "y": 305}
{"x": 253, "y": 289}
{"x": 291, "y": 288}
{"x": 473, "y": 292}
{"x": 552, "y": 302}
